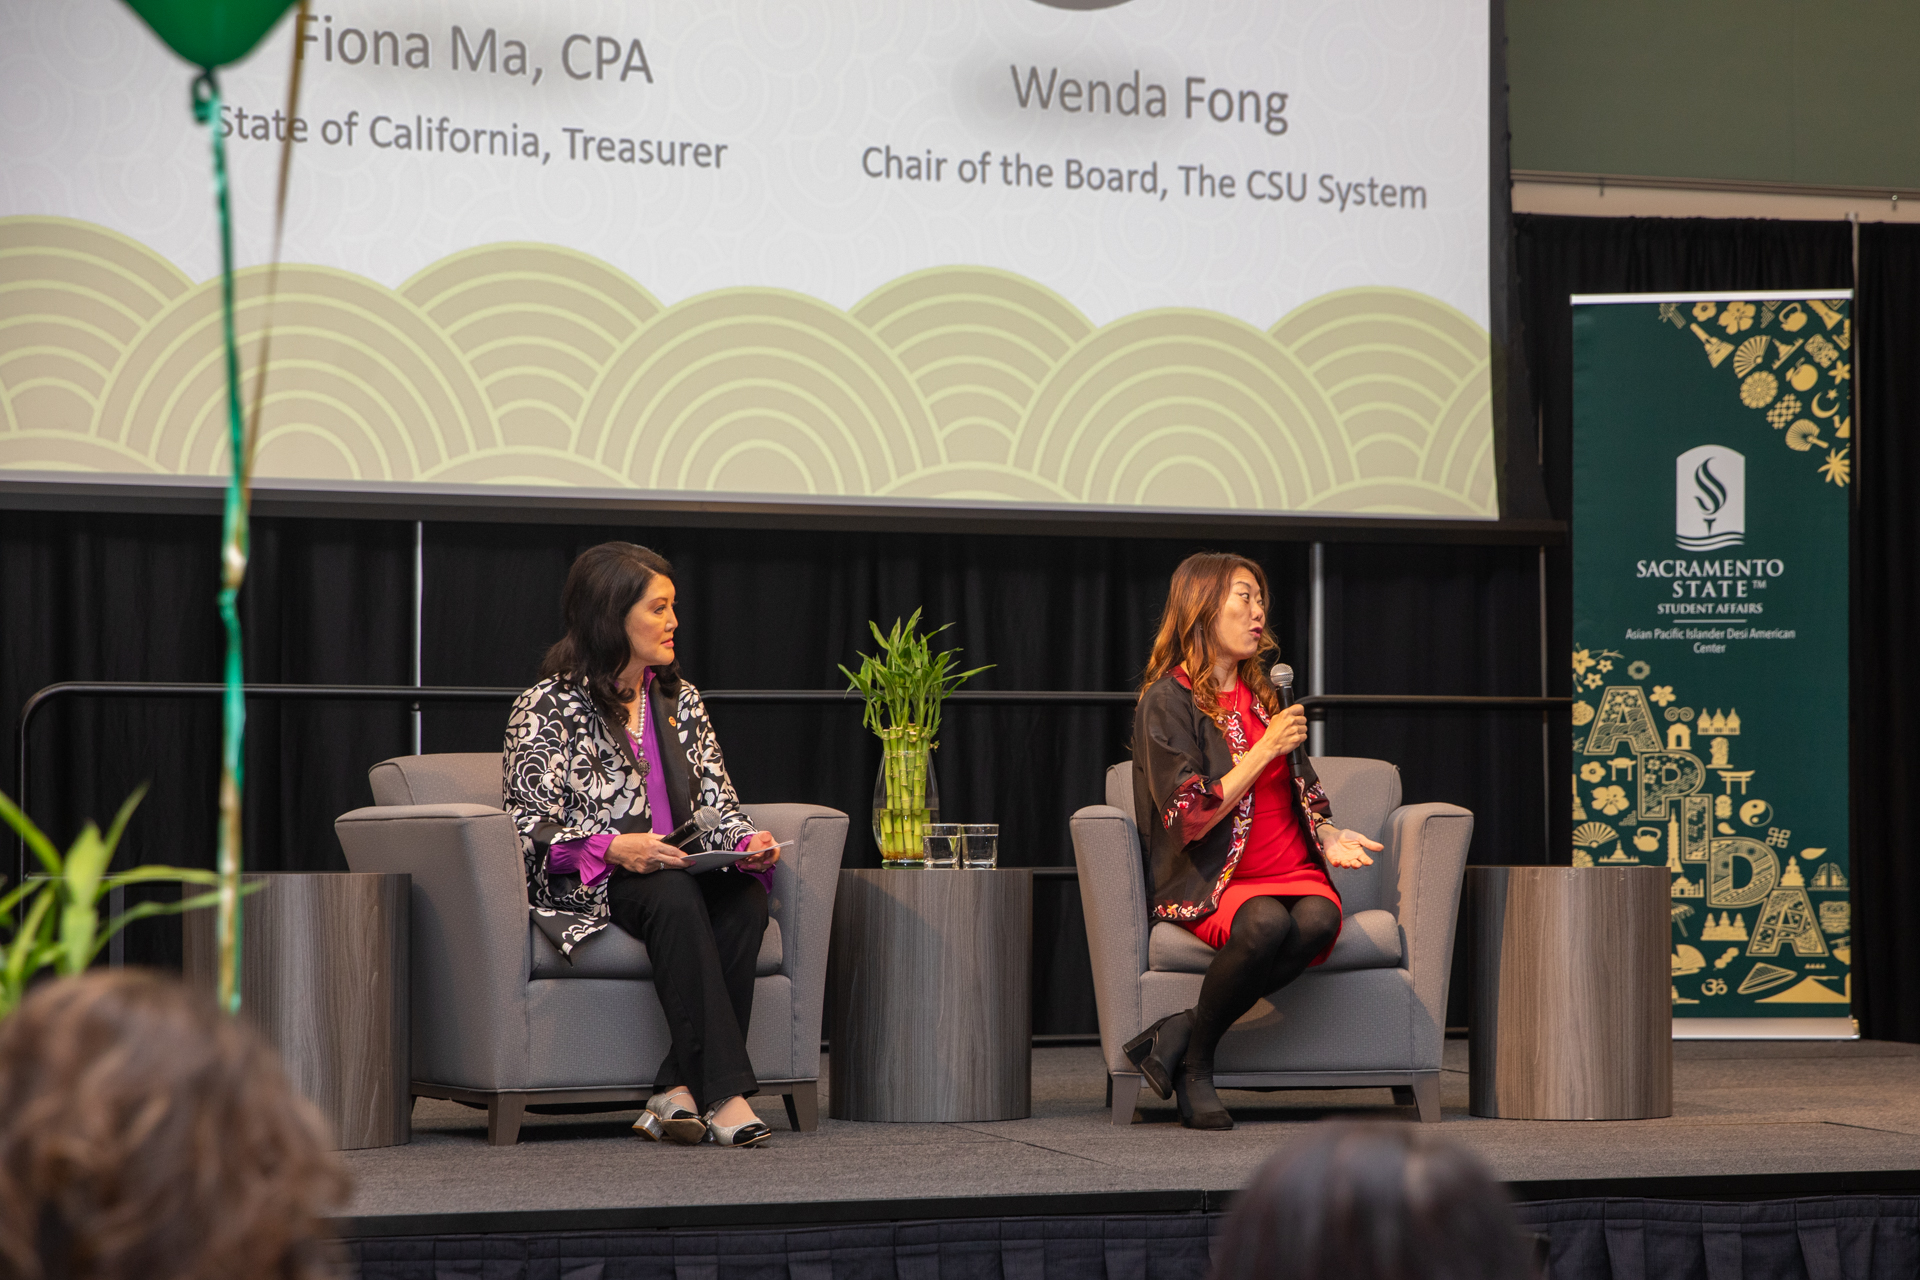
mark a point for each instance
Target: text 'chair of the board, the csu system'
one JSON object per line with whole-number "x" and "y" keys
{"x": 500, "y": 1017}
{"x": 1373, "y": 1014}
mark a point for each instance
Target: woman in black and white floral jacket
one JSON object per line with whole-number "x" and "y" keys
{"x": 610, "y": 752}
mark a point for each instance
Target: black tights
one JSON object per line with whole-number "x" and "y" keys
{"x": 1272, "y": 942}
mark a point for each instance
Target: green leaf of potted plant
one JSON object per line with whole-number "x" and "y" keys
{"x": 61, "y": 927}
{"x": 905, "y": 685}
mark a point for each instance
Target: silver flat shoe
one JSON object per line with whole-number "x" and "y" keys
{"x": 664, "y": 1121}
{"x": 746, "y": 1134}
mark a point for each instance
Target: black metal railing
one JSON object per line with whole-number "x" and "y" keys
{"x": 1317, "y": 705}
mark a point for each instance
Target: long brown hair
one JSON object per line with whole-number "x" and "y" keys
{"x": 603, "y": 585}
{"x": 1186, "y": 636}
{"x": 145, "y": 1135}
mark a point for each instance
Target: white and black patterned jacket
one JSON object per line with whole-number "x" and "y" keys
{"x": 567, "y": 775}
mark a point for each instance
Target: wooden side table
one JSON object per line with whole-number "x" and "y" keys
{"x": 931, "y": 998}
{"x": 1572, "y": 1015}
{"x": 323, "y": 976}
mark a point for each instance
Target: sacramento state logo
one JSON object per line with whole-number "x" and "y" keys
{"x": 1709, "y": 498}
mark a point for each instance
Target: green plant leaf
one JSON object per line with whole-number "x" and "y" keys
{"x": 27, "y": 943}
{"x": 70, "y": 937}
{"x": 142, "y": 911}
{"x": 79, "y": 922}
{"x": 121, "y": 818}
{"x": 87, "y": 861}
{"x": 35, "y": 838}
{"x": 12, "y": 899}
{"x": 156, "y": 872}
{"x": 906, "y": 683}
{"x": 80, "y": 889}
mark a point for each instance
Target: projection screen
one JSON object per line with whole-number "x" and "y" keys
{"x": 1147, "y": 255}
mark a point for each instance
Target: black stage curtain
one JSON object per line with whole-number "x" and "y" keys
{"x": 1859, "y": 1237}
{"x": 1815, "y": 1238}
{"x": 105, "y": 596}
{"x": 1160, "y": 1246}
{"x": 119, "y": 597}
{"x": 1886, "y": 688}
{"x": 1558, "y": 257}
{"x": 781, "y": 610}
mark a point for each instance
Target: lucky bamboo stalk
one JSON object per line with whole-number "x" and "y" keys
{"x": 904, "y": 687}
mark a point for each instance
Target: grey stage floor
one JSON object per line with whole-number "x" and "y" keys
{"x": 1739, "y": 1108}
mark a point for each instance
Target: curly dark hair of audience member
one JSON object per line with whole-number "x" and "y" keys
{"x": 1371, "y": 1201}
{"x": 144, "y": 1135}
{"x": 603, "y": 585}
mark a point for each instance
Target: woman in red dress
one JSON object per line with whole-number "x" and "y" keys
{"x": 1239, "y": 840}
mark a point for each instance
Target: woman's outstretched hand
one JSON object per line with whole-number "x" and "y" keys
{"x": 762, "y": 851}
{"x": 1347, "y": 848}
{"x": 643, "y": 852}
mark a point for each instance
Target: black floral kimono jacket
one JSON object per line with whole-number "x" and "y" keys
{"x": 1179, "y": 757}
{"x": 569, "y": 775}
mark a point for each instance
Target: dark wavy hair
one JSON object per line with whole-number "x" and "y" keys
{"x": 603, "y": 585}
{"x": 145, "y": 1135}
{"x": 1372, "y": 1200}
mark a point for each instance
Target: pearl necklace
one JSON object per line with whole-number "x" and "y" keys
{"x": 639, "y": 734}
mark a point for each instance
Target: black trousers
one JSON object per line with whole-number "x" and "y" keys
{"x": 703, "y": 934}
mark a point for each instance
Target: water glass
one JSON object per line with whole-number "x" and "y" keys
{"x": 940, "y": 843}
{"x": 980, "y": 845}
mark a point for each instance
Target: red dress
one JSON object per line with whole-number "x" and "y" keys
{"x": 1276, "y": 861}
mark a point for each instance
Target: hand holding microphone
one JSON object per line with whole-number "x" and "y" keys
{"x": 705, "y": 818}
{"x": 1284, "y": 734}
{"x": 1289, "y": 729}
{"x": 645, "y": 852}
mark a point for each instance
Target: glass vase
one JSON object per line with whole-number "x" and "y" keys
{"x": 905, "y": 798}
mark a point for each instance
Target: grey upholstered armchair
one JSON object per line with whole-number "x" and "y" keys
{"x": 1373, "y": 1014}
{"x": 500, "y": 1017}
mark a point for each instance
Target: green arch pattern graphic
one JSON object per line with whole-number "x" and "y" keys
{"x": 528, "y": 364}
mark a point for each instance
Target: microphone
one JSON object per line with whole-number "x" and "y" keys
{"x": 1282, "y": 677}
{"x": 705, "y": 818}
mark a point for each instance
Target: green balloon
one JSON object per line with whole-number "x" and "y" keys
{"x": 210, "y": 33}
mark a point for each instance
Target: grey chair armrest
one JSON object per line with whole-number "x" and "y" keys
{"x": 1113, "y": 896}
{"x": 469, "y": 951}
{"x": 1428, "y": 847}
{"x": 804, "y": 884}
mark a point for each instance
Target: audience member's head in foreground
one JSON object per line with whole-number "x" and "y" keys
{"x": 1371, "y": 1201}
{"x": 144, "y": 1135}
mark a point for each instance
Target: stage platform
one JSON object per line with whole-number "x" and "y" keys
{"x": 1752, "y": 1121}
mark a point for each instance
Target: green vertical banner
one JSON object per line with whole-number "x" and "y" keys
{"x": 1712, "y": 483}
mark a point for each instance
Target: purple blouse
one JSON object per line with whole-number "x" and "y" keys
{"x": 587, "y": 856}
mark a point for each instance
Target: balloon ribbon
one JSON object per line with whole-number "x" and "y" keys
{"x": 234, "y": 540}
{"x": 233, "y": 573}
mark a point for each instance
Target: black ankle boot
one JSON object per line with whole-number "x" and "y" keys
{"x": 1199, "y": 1105}
{"x": 1157, "y": 1050}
